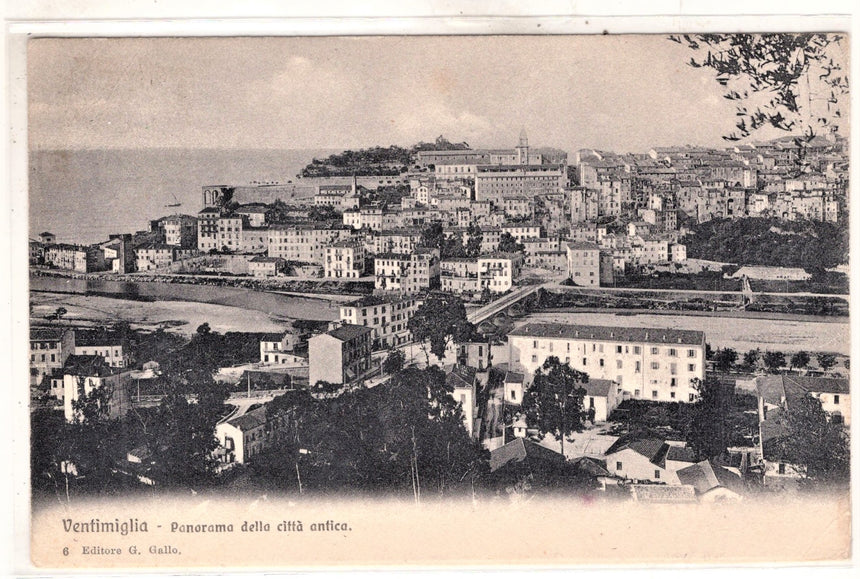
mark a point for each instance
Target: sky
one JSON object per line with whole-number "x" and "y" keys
{"x": 623, "y": 93}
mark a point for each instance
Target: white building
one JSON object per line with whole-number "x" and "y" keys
{"x": 471, "y": 275}
{"x": 274, "y": 348}
{"x": 344, "y": 260}
{"x": 647, "y": 363}
{"x": 388, "y": 317}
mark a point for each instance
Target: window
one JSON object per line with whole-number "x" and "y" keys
{"x": 691, "y": 367}
{"x": 691, "y": 353}
{"x": 53, "y": 358}
{"x": 673, "y": 368}
{"x": 655, "y": 351}
{"x": 781, "y": 468}
{"x": 617, "y": 349}
{"x": 513, "y": 394}
{"x": 618, "y": 364}
{"x": 636, "y": 393}
{"x": 638, "y": 368}
{"x": 534, "y": 358}
{"x": 601, "y": 362}
{"x": 655, "y": 365}
{"x": 657, "y": 474}
{"x": 835, "y": 396}
{"x": 637, "y": 350}
{"x": 671, "y": 395}
{"x": 692, "y": 397}
{"x": 585, "y": 361}
{"x": 673, "y": 352}
{"x": 653, "y": 394}
{"x": 619, "y": 466}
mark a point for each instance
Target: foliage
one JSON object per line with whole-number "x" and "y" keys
{"x": 793, "y": 82}
{"x": 774, "y": 361}
{"x": 826, "y": 361}
{"x": 800, "y": 359}
{"x": 441, "y": 319}
{"x": 770, "y": 241}
{"x": 553, "y": 403}
{"x": 815, "y": 443}
{"x": 725, "y": 359}
{"x": 751, "y": 358}
{"x": 323, "y": 213}
{"x": 393, "y": 362}
{"x": 473, "y": 244}
{"x": 509, "y": 244}
{"x": 709, "y": 433}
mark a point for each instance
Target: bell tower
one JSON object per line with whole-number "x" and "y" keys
{"x": 523, "y": 148}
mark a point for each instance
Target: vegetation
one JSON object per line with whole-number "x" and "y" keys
{"x": 452, "y": 246}
{"x": 553, "y": 403}
{"x": 826, "y": 361}
{"x": 774, "y": 361}
{"x": 440, "y": 320}
{"x": 509, "y": 244}
{"x": 810, "y": 245}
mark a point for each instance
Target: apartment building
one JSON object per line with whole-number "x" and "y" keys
{"x": 588, "y": 266}
{"x": 83, "y": 259}
{"x": 305, "y": 243}
{"x": 494, "y": 182}
{"x": 407, "y": 273}
{"x": 647, "y": 363}
{"x": 344, "y": 260}
{"x": 229, "y": 233}
{"x": 341, "y": 355}
{"x": 274, "y": 347}
{"x": 387, "y": 316}
{"x": 49, "y": 349}
{"x": 150, "y": 256}
{"x": 207, "y": 229}
{"x": 180, "y": 231}
{"x": 471, "y": 275}
{"x": 108, "y": 346}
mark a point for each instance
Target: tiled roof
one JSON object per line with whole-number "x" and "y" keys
{"x": 47, "y": 334}
{"x": 348, "y": 332}
{"x": 519, "y": 450}
{"x": 703, "y": 476}
{"x": 598, "y": 387}
{"x": 583, "y": 245}
{"x": 611, "y": 333}
{"x": 655, "y": 450}
{"x": 680, "y": 454}
{"x": 89, "y": 365}
{"x": 249, "y": 420}
{"x": 460, "y": 376}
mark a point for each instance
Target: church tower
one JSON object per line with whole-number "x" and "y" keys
{"x": 523, "y": 148}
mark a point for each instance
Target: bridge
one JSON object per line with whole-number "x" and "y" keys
{"x": 501, "y": 304}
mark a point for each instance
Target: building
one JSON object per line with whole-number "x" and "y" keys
{"x": 462, "y": 381}
{"x": 344, "y": 260}
{"x": 243, "y": 437}
{"x": 49, "y": 350}
{"x": 83, "y": 259}
{"x": 514, "y": 385}
{"x": 601, "y": 397}
{"x": 340, "y": 356}
{"x": 387, "y": 316}
{"x": 47, "y": 238}
{"x": 274, "y": 346}
{"x": 407, "y": 273}
{"x": 640, "y": 460}
{"x": 305, "y": 243}
{"x": 207, "y": 229}
{"x": 108, "y": 346}
{"x": 588, "y": 266}
{"x": 646, "y": 363}
{"x": 475, "y": 354}
{"x": 83, "y": 374}
{"x": 150, "y": 256}
{"x": 712, "y": 482}
{"x": 119, "y": 253}
{"x": 472, "y": 275}
{"x": 179, "y": 231}
{"x": 229, "y": 233}
{"x": 495, "y": 182}
{"x": 263, "y": 266}
{"x": 254, "y": 213}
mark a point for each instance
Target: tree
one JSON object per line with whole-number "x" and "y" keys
{"x": 709, "y": 432}
{"x": 553, "y": 403}
{"x": 793, "y": 82}
{"x": 433, "y": 236}
{"x": 440, "y": 319}
{"x": 725, "y": 359}
{"x": 847, "y": 363}
{"x": 751, "y": 358}
{"x": 774, "y": 361}
{"x": 473, "y": 244}
{"x": 813, "y": 442}
{"x": 826, "y": 361}
{"x": 204, "y": 329}
{"x": 393, "y": 362}
{"x": 61, "y": 311}
{"x": 800, "y": 359}
{"x": 509, "y": 244}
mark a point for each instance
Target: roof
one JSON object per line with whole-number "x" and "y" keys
{"x": 590, "y": 465}
{"x": 249, "y": 420}
{"x": 611, "y": 333}
{"x": 87, "y": 365}
{"x": 704, "y": 476}
{"x": 348, "y": 332}
{"x": 97, "y": 339}
{"x": 583, "y": 245}
{"x": 47, "y": 334}
{"x": 460, "y": 376}
{"x": 514, "y": 377}
{"x": 654, "y": 449}
{"x": 680, "y": 454}
{"x": 598, "y": 387}
{"x": 519, "y": 450}
{"x": 265, "y": 259}
{"x": 663, "y": 493}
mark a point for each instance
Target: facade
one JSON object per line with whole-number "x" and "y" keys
{"x": 495, "y": 182}
{"x": 646, "y": 363}
{"x": 471, "y": 275}
{"x": 583, "y": 264}
{"x": 475, "y": 354}
{"x": 83, "y": 374}
{"x": 150, "y": 256}
{"x": 207, "y": 229}
{"x": 255, "y": 214}
{"x": 274, "y": 347}
{"x": 180, "y": 231}
{"x": 601, "y": 397}
{"x": 407, "y": 273}
{"x": 304, "y": 243}
{"x": 463, "y": 383}
{"x": 49, "y": 349}
{"x": 262, "y": 266}
{"x": 110, "y": 348}
{"x": 344, "y": 260}
{"x": 229, "y": 233}
{"x": 388, "y": 317}
{"x": 640, "y": 460}
{"x": 340, "y": 356}
{"x": 82, "y": 259}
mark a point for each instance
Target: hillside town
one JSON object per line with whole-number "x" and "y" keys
{"x": 458, "y": 267}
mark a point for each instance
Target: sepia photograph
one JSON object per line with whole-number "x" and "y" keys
{"x": 544, "y": 299}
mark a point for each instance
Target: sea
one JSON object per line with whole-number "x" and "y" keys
{"x": 82, "y": 196}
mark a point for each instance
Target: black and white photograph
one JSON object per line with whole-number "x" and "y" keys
{"x": 555, "y": 274}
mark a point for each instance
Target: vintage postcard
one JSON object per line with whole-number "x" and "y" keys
{"x": 394, "y": 301}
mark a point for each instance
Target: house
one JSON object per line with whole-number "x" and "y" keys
{"x": 463, "y": 383}
{"x": 341, "y": 355}
{"x": 388, "y": 316}
{"x": 526, "y": 452}
{"x": 275, "y": 346}
{"x": 474, "y": 354}
{"x": 601, "y": 397}
{"x": 344, "y": 259}
{"x": 149, "y": 256}
{"x": 472, "y": 275}
{"x": 647, "y": 363}
{"x": 263, "y": 266}
{"x": 640, "y": 459}
{"x": 49, "y": 350}
{"x": 713, "y": 483}
{"x": 109, "y": 346}
{"x": 83, "y": 374}
{"x": 408, "y": 273}
{"x": 588, "y": 266}
{"x": 243, "y": 437}
{"x": 514, "y": 385}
